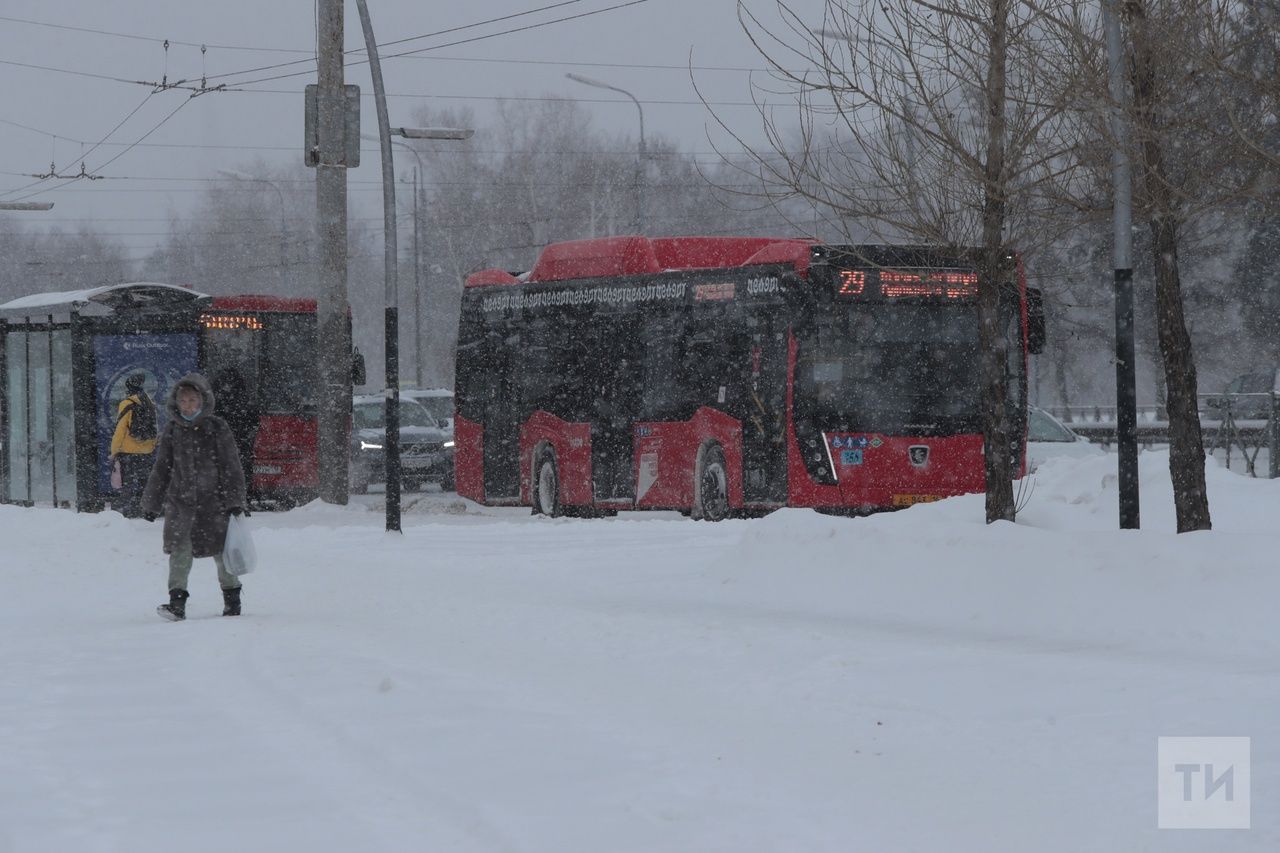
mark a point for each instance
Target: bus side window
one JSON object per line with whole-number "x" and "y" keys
{"x": 613, "y": 386}
{"x": 538, "y": 377}
{"x": 483, "y": 374}
{"x": 467, "y": 376}
{"x": 662, "y": 391}
{"x": 714, "y": 363}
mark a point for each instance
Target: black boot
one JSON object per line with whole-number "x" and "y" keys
{"x": 176, "y": 609}
{"x": 231, "y": 602}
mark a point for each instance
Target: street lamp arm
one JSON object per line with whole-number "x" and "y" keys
{"x": 640, "y": 189}
{"x": 406, "y": 146}
{"x": 591, "y": 81}
{"x": 434, "y": 132}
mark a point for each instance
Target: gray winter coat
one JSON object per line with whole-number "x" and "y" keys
{"x": 196, "y": 477}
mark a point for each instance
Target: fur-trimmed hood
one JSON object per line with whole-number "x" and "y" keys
{"x": 201, "y": 384}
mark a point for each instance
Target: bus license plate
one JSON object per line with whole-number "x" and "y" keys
{"x": 266, "y": 469}
{"x": 909, "y": 500}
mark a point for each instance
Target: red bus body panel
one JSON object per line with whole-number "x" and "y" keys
{"x": 468, "y": 459}
{"x": 287, "y": 442}
{"x": 666, "y": 455}
{"x": 571, "y": 443}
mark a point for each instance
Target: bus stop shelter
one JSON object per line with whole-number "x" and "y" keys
{"x": 65, "y": 358}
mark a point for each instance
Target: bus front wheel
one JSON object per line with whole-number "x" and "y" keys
{"x": 711, "y": 486}
{"x": 546, "y": 486}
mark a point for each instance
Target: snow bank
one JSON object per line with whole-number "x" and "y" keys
{"x": 488, "y": 681}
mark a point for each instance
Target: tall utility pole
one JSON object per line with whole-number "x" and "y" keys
{"x": 332, "y": 308}
{"x": 418, "y": 361}
{"x": 1122, "y": 221}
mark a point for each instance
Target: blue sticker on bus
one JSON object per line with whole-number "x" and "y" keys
{"x": 851, "y": 457}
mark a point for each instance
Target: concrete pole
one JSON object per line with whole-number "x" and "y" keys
{"x": 332, "y": 307}
{"x": 419, "y": 363}
{"x": 1122, "y": 221}
{"x": 391, "y": 441}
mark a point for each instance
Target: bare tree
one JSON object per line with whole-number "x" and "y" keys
{"x": 944, "y": 122}
{"x": 37, "y": 261}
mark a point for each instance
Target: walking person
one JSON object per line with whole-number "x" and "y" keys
{"x": 133, "y": 443}
{"x": 198, "y": 482}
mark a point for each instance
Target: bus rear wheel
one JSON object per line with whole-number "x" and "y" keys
{"x": 546, "y": 486}
{"x": 711, "y": 486}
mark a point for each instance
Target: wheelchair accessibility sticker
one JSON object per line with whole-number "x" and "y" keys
{"x": 850, "y": 457}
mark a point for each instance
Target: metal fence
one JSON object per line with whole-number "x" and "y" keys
{"x": 1239, "y": 423}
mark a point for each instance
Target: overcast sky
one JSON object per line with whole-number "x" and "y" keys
{"x": 53, "y": 116}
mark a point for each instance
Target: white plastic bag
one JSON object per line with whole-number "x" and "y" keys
{"x": 238, "y": 553}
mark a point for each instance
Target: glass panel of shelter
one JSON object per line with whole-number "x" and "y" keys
{"x": 40, "y": 432}
{"x": 17, "y": 440}
{"x": 63, "y": 425}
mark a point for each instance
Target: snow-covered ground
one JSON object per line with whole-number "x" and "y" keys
{"x": 489, "y": 681}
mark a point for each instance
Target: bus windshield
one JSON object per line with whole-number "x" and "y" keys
{"x": 290, "y": 376}
{"x": 896, "y": 368}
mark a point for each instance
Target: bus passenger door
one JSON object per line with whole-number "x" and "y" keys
{"x": 617, "y": 386}
{"x": 499, "y": 405}
{"x": 737, "y": 364}
{"x": 763, "y": 411}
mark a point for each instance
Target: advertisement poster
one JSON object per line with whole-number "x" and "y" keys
{"x": 163, "y": 359}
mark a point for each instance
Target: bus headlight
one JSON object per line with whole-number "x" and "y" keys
{"x": 365, "y": 445}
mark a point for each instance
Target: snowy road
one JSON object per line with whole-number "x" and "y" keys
{"x": 492, "y": 682}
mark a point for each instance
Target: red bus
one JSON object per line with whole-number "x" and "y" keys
{"x": 271, "y": 342}
{"x": 729, "y": 375}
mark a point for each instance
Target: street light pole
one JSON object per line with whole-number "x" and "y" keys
{"x": 391, "y": 441}
{"x": 1126, "y": 382}
{"x": 640, "y": 175}
{"x": 242, "y": 176}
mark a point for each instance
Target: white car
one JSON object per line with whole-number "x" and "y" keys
{"x": 437, "y": 401}
{"x": 1048, "y": 437}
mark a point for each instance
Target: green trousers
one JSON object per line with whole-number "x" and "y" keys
{"x": 180, "y": 568}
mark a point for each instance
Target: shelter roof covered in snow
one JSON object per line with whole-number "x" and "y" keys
{"x": 101, "y": 301}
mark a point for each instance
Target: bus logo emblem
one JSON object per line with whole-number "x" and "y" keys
{"x": 918, "y": 454}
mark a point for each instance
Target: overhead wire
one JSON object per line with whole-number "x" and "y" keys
{"x": 311, "y": 51}
{"x": 136, "y": 37}
{"x": 235, "y": 85}
{"x": 412, "y": 38}
{"x": 120, "y": 154}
